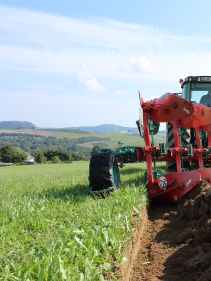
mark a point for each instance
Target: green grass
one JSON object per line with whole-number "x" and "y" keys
{"x": 52, "y": 229}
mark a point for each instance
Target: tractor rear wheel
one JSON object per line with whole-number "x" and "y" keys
{"x": 103, "y": 173}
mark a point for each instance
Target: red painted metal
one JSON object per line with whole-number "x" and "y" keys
{"x": 200, "y": 117}
{"x": 179, "y": 183}
{"x": 199, "y": 148}
{"x": 148, "y": 148}
{"x": 177, "y": 147}
{"x": 173, "y": 186}
{"x": 168, "y": 108}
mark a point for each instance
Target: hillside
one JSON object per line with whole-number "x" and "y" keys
{"x": 103, "y": 128}
{"x": 106, "y": 128}
{"x": 75, "y": 139}
{"x": 16, "y": 125}
{"x": 31, "y": 140}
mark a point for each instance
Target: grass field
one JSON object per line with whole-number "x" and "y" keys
{"x": 52, "y": 229}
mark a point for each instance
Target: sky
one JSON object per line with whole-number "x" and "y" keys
{"x": 74, "y": 63}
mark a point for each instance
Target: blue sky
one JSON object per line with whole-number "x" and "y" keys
{"x": 71, "y": 63}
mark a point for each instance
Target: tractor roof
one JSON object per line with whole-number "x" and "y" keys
{"x": 202, "y": 79}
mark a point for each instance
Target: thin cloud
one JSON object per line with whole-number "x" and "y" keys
{"x": 94, "y": 85}
{"x": 91, "y": 83}
{"x": 143, "y": 64}
{"x": 43, "y": 42}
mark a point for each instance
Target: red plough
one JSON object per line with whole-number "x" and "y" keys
{"x": 190, "y": 160}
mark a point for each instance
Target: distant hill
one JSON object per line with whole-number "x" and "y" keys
{"x": 16, "y": 125}
{"x": 106, "y": 128}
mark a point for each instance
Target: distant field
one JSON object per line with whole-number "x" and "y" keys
{"x": 82, "y": 138}
{"x": 52, "y": 229}
{"x": 29, "y": 131}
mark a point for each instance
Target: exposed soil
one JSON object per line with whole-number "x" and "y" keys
{"x": 177, "y": 243}
{"x": 126, "y": 269}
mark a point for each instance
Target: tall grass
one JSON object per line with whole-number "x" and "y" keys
{"x": 52, "y": 229}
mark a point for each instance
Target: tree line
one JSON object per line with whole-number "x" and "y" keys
{"x": 10, "y": 154}
{"x": 31, "y": 143}
{"x": 56, "y": 156}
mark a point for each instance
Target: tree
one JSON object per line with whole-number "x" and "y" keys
{"x": 65, "y": 156}
{"x": 50, "y": 154}
{"x": 95, "y": 149}
{"x": 9, "y": 154}
{"x": 19, "y": 155}
{"x": 56, "y": 159}
{"x": 77, "y": 156}
{"x": 6, "y": 153}
{"x": 39, "y": 156}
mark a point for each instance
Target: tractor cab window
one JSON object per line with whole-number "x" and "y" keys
{"x": 194, "y": 91}
{"x": 196, "y": 96}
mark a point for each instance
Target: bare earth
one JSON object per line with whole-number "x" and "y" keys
{"x": 177, "y": 242}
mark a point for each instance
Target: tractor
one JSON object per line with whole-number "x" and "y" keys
{"x": 187, "y": 150}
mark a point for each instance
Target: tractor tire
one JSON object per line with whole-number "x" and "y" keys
{"x": 103, "y": 173}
